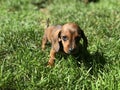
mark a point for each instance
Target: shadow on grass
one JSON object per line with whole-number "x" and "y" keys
{"x": 88, "y": 1}
{"x": 95, "y": 61}
{"x": 3, "y": 53}
{"x": 41, "y": 4}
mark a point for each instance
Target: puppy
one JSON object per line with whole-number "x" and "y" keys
{"x": 65, "y": 38}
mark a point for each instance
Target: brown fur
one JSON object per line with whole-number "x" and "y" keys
{"x": 63, "y": 38}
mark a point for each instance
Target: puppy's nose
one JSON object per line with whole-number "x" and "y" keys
{"x": 70, "y": 50}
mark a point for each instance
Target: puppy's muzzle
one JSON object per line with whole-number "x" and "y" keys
{"x": 71, "y": 50}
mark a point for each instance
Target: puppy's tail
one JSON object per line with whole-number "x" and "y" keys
{"x": 47, "y": 23}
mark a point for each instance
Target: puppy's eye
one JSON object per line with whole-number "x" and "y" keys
{"x": 64, "y": 38}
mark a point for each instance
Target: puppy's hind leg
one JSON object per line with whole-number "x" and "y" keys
{"x": 44, "y": 41}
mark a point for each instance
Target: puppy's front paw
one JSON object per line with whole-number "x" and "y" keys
{"x": 50, "y": 64}
{"x": 43, "y": 47}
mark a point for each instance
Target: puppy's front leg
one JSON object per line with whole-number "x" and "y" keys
{"x": 52, "y": 57}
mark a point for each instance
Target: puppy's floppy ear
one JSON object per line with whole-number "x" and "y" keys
{"x": 55, "y": 40}
{"x": 85, "y": 41}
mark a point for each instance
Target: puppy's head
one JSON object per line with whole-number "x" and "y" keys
{"x": 70, "y": 37}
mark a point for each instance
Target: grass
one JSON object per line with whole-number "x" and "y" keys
{"x": 23, "y": 64}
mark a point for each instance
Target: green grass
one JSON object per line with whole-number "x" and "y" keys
{"x": 23, "y": 64}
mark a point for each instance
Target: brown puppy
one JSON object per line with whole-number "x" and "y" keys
{"x": 65, "y": 39}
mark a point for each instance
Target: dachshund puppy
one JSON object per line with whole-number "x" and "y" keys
{"x": 64, "y": 39}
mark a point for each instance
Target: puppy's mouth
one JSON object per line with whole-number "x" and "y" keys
{"x": 74, "y": 51}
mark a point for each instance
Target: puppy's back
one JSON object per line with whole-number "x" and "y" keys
{"x": 51, "y": 31}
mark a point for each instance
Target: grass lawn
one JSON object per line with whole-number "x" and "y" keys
{"x": 23, "y": 64}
